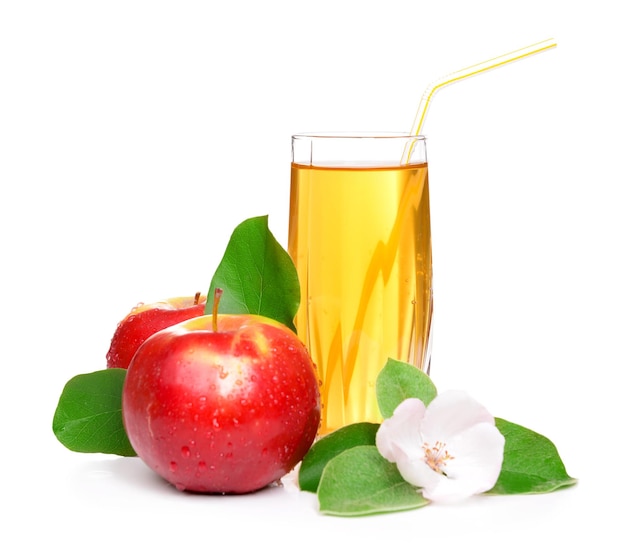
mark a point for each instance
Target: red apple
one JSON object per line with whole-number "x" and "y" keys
{"x": 222, "y": 404}
{"x": 145, "y": 320}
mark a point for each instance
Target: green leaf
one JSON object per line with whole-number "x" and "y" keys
{"x": 328, "y": 447}
{"x": 88, "y": 417}
{"x": 398, "y": 381}
{"x": 531, "y": 463}
{"x": 257, "y": 275}
{"x": 360, "y": 481}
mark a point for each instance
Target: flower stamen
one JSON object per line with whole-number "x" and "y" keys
{"x": 437, "y": 456}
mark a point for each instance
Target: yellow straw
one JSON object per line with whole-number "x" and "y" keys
{"x": 471, "y": 71}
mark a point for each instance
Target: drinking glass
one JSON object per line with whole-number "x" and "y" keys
{"x": 360, "y": 237}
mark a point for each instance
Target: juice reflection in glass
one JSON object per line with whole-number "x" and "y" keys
{"x": 359, "y": 234}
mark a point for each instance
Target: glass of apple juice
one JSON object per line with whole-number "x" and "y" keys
{"x": 360, "y": 237}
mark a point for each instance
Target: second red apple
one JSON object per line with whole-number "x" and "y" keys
{"x": 145, "y": 320}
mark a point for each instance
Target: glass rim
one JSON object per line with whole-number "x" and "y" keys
{"x": 357, "y": 135}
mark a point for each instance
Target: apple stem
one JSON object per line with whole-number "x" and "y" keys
{"x": 196, "y": 299}
{"x": 216, "y": 301}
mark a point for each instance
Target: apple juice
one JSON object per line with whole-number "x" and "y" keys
{"x": 360, "y": 239}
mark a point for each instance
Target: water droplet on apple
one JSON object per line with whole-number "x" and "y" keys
{"x": 202, "y": 466}
{"x": 179, "y": 486}
{"x": 173, "y": 466}
{"x": 185, "y": 451}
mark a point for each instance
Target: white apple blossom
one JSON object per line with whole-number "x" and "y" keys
{"x": 450, "y": 449}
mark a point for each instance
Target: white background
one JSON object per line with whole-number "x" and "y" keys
{"x": 134, "y": 136}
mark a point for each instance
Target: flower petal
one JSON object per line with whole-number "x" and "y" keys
{"x": 478, "y": 454}
{"x": 450, "y": 413}
{"x": 418, "y": 473}
{"x": 398, "y": 437}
